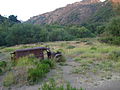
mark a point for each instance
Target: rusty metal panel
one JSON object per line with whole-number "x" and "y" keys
{"x": 38, "y": 52}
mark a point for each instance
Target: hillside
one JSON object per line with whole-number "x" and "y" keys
{"x": 77, "y": 13}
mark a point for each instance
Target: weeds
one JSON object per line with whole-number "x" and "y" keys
{"x": 63, "y": 44}
{"x": 87, "y": 66}
{"x": 115, "y": 55}
{"x": 117, "y": 67}
{"x": 70, "y": 47}
{"x": 1, "y": 71}
{"x": 9, "y": 79}
{"x": 51, "y": 63}
{"x": 93, "y": 48}
{"x": 52, "y": 85}
{"x": 29, "y": 70}
{"x": 27, "y": 61}
{"x": 9, "y": 49}
{"x": 35, "y": 74}
{"x": 3, "y": 65}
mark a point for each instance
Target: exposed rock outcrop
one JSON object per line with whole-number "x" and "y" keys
{"x": 76, "y": 13}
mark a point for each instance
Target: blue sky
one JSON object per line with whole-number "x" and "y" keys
{"x": 25, "y": 9}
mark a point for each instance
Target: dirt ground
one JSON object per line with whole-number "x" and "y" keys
{"x": 90, "y": 82}
{"x": 63, "y": 74}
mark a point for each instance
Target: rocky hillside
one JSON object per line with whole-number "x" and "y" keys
{"x": 116, "y": 1}
{"x": 77, "y": 13}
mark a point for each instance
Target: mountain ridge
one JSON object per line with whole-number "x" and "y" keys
{"x": 76, "y": 13}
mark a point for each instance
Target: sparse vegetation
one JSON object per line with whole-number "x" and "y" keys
{"x": 1, "y": 71}
{"x": 70, "y": 47}
{"x": 115, "y": 55}
{"x": 3, "y": 66}
{"x": 9, "y": 79}
{"x": 52, "y": 85}
{"x": 95, "y": 58}
{"x": 40, "y": 70}
{"x": 34, "y": 70}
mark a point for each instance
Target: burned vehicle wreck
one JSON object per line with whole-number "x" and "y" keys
{"x": 38, "y": 52}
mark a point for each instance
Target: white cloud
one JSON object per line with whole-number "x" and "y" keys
{"x": 25, "y": 9}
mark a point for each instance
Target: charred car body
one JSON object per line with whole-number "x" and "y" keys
{"x": 38, "y": 52}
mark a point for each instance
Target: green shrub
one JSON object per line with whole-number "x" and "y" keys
{"x": 34, "y": 74}
{"x": 112, "y": 33}
{"x": 40, "y": 70}
{"x": 111, "y": 40}
{"x": 1, "y": 71}
{"x": 116, "y": 40}
{"x": 43, "y": 67}
{"x": 50, "y": 62}
{"x": 78, "y": 59}
{"x": 105, "y": 40}
{"x": 115, "y": 55}
{"x": 93, "y": 48}
{"x": 113, "y": 26}
{"x": 3, "y": 64}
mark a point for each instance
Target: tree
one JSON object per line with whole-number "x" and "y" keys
{"x": 113, "y": 27}
{"x": 112, "y": 33}
{"x": 13, "y": 18}
{"x": 80, "y": 32}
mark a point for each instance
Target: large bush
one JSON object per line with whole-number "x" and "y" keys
{"x": 113, "y": 27}
{"x": 112, "y": 33}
